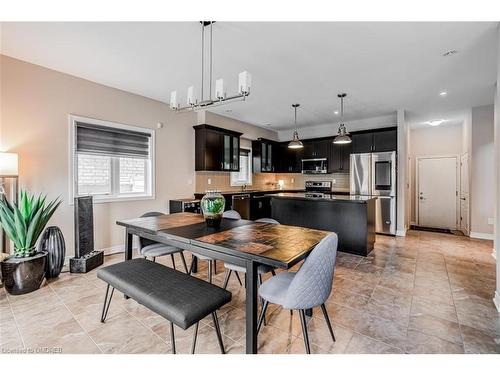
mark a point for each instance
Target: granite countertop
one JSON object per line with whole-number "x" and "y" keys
{"x": 329, "y": 198}
{"x": 250, "y": 191}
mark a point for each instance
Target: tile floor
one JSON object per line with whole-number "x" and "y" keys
{"x": 426, "y": 293}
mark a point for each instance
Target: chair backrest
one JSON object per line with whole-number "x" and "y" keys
{"x": 143, "y": 242}
{"x": 267, "y": 220}
{"x": 231, "y": 214}
{"x": 312, "y": 284}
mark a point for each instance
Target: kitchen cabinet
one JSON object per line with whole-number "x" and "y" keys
{"x": 260, "y": 207}
{"x": 375, "y": 141}
{"x": 290, "y": 160}
{"x": 339, "y": 158}
{"x": 316, "y": 148}
{"x": 266, "y": 155}
{"x": 216, "y": 149}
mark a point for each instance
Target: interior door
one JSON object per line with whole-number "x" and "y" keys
{"x": 437, "y": 192}
{"x": 464, "y": 194}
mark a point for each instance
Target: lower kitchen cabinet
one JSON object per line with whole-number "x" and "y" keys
{"x": 260, "y": 207}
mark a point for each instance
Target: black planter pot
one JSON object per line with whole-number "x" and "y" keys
{"x": 52, "y": 242}
{"x": 23, "y": 275}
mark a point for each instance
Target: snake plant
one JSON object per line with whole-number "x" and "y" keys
{"x": 24, "y": 222}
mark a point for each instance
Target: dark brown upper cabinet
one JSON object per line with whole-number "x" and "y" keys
{"x": 375, "y": 140}
{"x": 266, "y": 155}
{"x": 339, "y": 157}
{"x": 216, "y": 149}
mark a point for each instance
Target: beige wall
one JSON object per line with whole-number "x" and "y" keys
{"x": 35, "y": 104}
{"x": 432, "y": 141}
{"x": 482, "y": 170}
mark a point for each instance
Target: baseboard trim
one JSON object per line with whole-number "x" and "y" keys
{"x": 115, "y": 249}
{"x": 482, "y": 236}
{"x": 401, "y": 233}
{"x": 496, "y": 301}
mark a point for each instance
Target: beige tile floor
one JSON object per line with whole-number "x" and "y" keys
{"x": 426, "y": 293}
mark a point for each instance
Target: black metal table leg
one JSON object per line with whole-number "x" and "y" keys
{"x": 128, "y": 249}
{"x": 251, "y": 308}
{"x": 309, "y": 312}
{"x": 194, "y": 264}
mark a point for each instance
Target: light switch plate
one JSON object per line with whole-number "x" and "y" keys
{"x": 210, "y": 181}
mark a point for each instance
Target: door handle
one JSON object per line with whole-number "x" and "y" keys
{"x": 421, "y": 198}
{"x": 463, "y": 199}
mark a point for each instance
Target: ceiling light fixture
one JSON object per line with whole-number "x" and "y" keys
{"x": 435, "y": 122}
{"x": 451, "y": 52}
{"x": 343, "y": 135}
{"x": 443, "y": 93}
{"x": 336, "y": 112}
{"x": 193, "y": 104}
{"x": 295, "y": 143}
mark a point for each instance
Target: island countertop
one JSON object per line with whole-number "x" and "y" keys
{"x": 326, "y": 197}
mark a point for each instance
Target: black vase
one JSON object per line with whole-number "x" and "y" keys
{"x": 23, "y": 275}
{"x": 52, "y": 242}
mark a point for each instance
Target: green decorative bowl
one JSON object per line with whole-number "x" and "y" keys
{"x": 212, "y": 206}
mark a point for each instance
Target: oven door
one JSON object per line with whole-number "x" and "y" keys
{"x": 314, "y": 166}
{"x": 384, "y": 173}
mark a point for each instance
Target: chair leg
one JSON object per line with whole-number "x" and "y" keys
{"x": 173, "y": 260}
{"x": 291, "y": 312}
{"x": 226, "y": 279}
{"x": 304, "y": 330}
{"x": 325, "y": 313}
{"x": 154, "y": 259}
{"x": 195, "y": 335}
{"x": 215, "y": 267}
{"x": 210, "y": 271}
{"x": 262, "y": 314}
{"x": 172, "y": 337}
{"x": 184, "y": 262}
{"x": 193, "y": 262}
{"x": 105, "y": 306}
{"x": 273, "y": 272}
{"x": 238, "y": 277}
{"x": 217, "y": 330}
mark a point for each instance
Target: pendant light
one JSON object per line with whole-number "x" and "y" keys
{"x": 343, "y": 136}
{"x": 295, "y": 143}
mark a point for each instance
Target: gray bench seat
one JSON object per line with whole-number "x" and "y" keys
{"x": 180, "y": 298}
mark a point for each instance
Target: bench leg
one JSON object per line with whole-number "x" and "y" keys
{"x": 173, "y": 260}
{"x": 184, "y": 262}
{"x": 172, "y": 337}
{"x": 106, "y": 304}
{"x": 210, "y": 271}
{"x": 195, "y": 335}
{"x": 217, "y": 330}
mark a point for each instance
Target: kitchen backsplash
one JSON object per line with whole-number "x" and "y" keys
{"x": 221, "y": 181}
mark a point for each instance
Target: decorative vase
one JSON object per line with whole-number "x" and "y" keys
{"x": 212, "y": 206}
{"x": 23, "y": 275}
{"x": 52, "y": 242}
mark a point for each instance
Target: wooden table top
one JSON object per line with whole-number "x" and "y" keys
{"x": 272, "y": 244}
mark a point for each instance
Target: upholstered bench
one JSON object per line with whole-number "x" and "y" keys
{"x": 181, "y": 299}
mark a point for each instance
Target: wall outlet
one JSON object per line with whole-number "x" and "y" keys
{"x": 491, "y": 220}
{"x": 334, "y": 181}
{"x": 293, "y": 180}
{"x": 209, "y": 181}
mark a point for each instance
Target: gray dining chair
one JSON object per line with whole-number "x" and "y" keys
{"x": 230, "y": 214}
{"x": 309, "y": 287}
{"x": 153, "y": 249}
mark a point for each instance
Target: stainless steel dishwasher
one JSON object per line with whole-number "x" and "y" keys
{"x": 241, "y": 203}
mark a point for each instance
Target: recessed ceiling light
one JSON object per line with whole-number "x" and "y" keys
{"x": 435, "y": 122}
{"x": 229, "y": 110}
{"x": 443, "y": 93}
{"x": 336, "y": 112}
{"x": 451, "y": 52}
{"x": 267, "y": 124}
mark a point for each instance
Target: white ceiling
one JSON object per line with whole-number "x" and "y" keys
{"x": 382, "y": 66}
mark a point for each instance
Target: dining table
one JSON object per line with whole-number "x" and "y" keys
{"x": 241, "y": 242}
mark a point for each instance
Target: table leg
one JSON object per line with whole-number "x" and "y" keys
{"x": 128, "y": 249}
{"x": 251, "y": 308}
{"x": 309, "y": 312}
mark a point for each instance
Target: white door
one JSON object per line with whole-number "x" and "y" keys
{"x": 437, "y": 192}
{"x": 464, "y": 194}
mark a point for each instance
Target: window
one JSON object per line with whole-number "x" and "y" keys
{"x": 111, "y": 161}
{"x": 244, "y": 176}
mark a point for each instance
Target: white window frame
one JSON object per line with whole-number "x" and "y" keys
{"x": 73, "y": 163}
{"x": 232, "y": 177}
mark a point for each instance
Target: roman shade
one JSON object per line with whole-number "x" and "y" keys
{"x": 110, "y": 141}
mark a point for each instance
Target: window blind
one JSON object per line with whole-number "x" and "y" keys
{"x": 105, "y": 140}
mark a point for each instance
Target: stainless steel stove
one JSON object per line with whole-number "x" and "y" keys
{"x": 318, "y": 187}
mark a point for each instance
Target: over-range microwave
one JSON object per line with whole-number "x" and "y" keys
{"x": 315, "y": 166}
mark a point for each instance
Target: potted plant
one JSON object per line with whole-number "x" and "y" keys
{"x": 24, "y": 270}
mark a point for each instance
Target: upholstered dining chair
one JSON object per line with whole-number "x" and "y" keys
{"x": 309, "y": 287}
{"x": 230, "y": 214}
{"x": 153, "y": 249}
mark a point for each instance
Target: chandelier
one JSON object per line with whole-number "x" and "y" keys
{"x": 220, "y": 97}
{"x": 343, "y": 135}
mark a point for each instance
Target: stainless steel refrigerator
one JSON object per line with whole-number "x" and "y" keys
{"x": 374, "y": 174}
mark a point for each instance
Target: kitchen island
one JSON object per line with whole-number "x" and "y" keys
{"x": 352, "y": 217}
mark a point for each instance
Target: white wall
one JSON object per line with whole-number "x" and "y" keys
{"x": 35, "y": 104}
{"x": 432, "y": 141}
{"x": 328, "y": 130}
{"x": 403, "y": 184}
{"x": 482, "y": 185}
{"x": 497, "y": 174}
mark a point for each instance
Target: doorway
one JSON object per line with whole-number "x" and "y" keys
{"x": 437, "y": 192}
{"x": 464, "y": 194}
